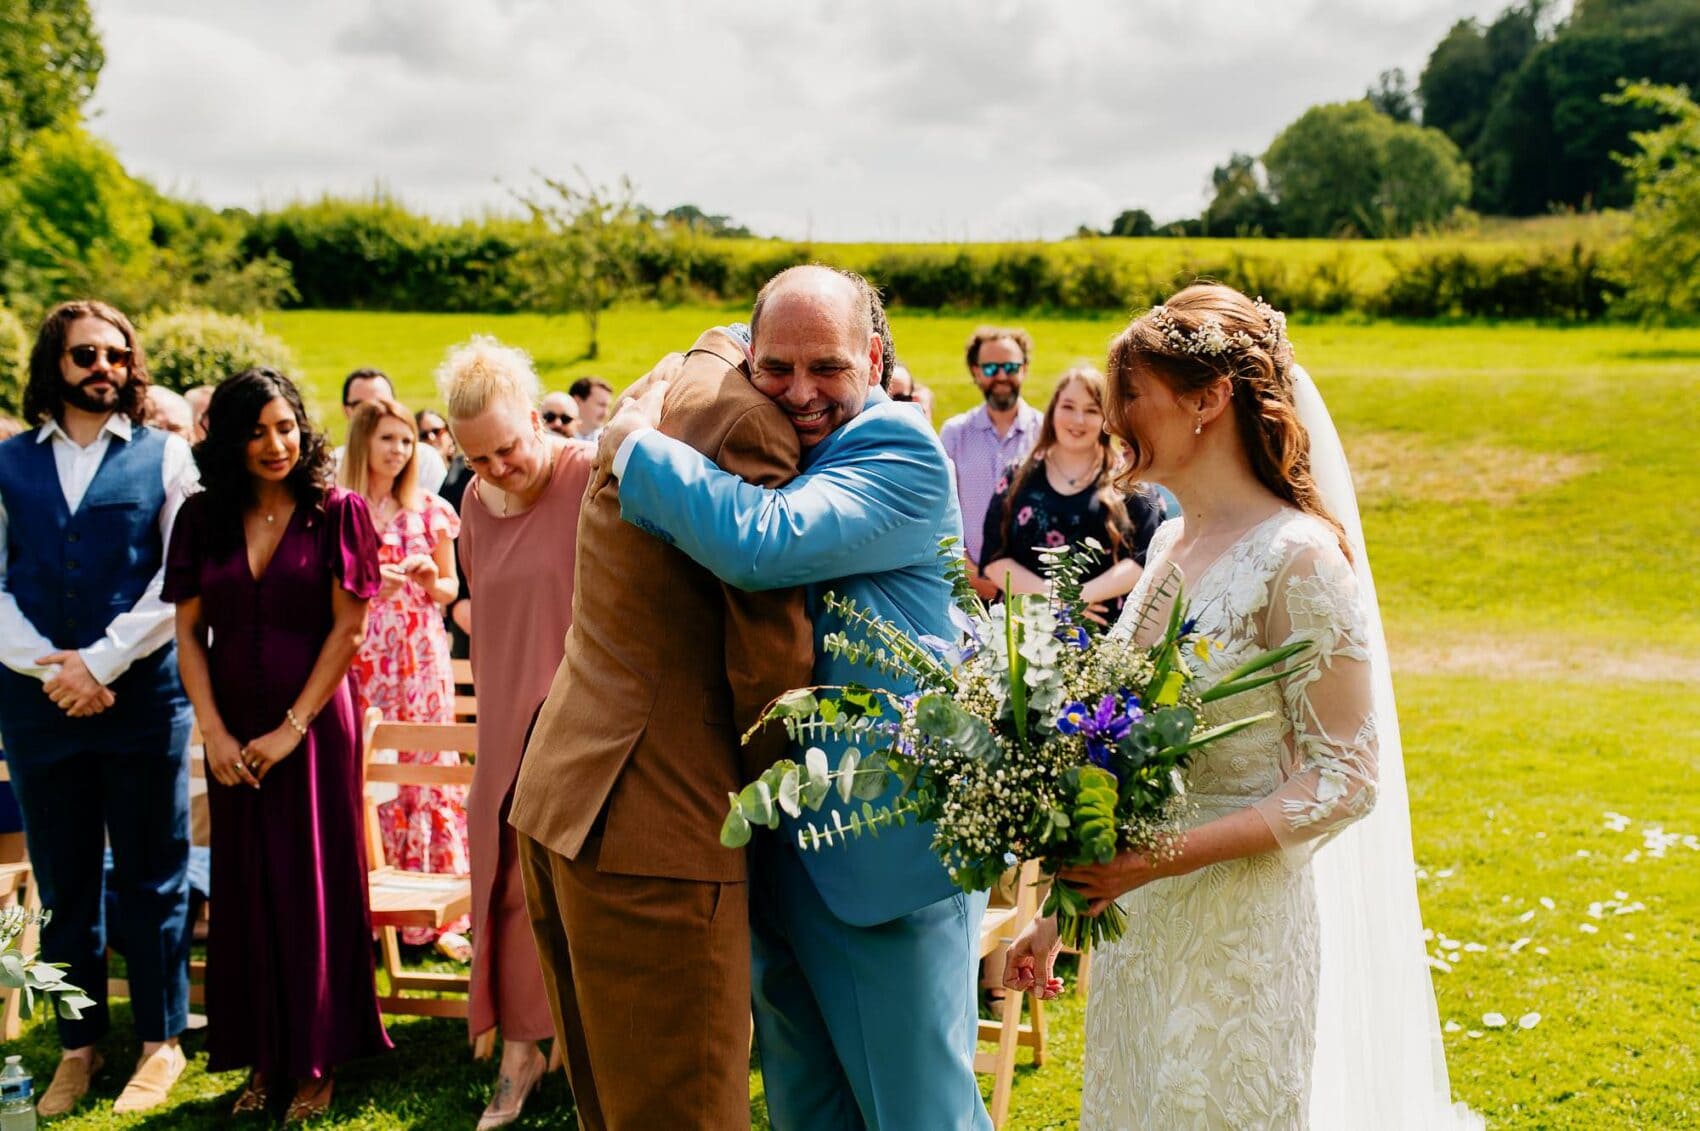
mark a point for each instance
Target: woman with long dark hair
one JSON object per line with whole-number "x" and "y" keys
{"x": 271, "y": 569}
{"x": 1066, "y": 492}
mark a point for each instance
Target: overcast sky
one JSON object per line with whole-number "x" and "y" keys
{"x": 822, "y": 119}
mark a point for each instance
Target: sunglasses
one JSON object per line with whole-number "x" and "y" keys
{"x": 557, "y": 418}
{"x": 1010, "y": 368}
{"x": 902, "y": 396}
{"x": 83, "y": 357}
{"x": 429, "y": 434}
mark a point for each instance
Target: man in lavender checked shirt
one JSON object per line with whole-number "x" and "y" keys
{"x": 983, "y": 441}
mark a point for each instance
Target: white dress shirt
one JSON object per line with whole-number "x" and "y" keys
{"x": 150, "y": 623}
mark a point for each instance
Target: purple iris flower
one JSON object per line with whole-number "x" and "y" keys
{"x": 1075, "y": 635}
{"x": 1103, "y": 726}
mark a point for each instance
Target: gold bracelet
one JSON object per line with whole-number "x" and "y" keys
{"x": 295, "y": 722}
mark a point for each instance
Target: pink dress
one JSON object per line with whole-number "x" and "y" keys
{"x": 520, "y": 571}
{"x": 403, "y": 669}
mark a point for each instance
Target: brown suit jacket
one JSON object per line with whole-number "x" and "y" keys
{"x": 665, "y": 666}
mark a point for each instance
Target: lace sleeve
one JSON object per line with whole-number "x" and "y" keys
{"x": 1329, "y": 779}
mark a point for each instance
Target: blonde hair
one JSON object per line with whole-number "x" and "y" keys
{"x": 357, "y": 457}
{"x": 484, "y": 372}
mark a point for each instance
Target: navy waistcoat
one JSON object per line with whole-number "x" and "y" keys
{"x": 71, "y": 574}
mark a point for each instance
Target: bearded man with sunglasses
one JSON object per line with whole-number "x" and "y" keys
{"x": 92, "y": 715}
{"x": 983, "y": 441}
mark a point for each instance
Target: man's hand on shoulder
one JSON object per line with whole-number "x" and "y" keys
{"x": 637, "y": 411}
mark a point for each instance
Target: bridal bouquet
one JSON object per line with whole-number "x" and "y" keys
{"x": 1035, "y": 735}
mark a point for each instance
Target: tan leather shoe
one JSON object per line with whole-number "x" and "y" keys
{"x": 152, "y": 1082}
{"x": 70, "y": 1084}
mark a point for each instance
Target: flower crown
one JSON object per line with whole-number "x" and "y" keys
{"x": 1212, "y": 339}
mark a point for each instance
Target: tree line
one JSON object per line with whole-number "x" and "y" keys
{"x": 1515, "y": 117}
{"x": 73, "y": 221}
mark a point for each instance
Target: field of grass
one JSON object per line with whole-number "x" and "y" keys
{"x": 1530, "y": 501}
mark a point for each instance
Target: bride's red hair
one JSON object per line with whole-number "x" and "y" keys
{"x": 1255, "y": 358}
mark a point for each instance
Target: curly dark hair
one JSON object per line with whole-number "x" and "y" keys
{"x": 223, "y": 456}
{"x": 44, "y": 394}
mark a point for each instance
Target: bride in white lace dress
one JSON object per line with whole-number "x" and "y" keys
{"x": 1246, "y": 989}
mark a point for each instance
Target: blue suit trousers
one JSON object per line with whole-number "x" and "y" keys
{"x": 863, "y": 1027}
{"x": 71, "y": 806}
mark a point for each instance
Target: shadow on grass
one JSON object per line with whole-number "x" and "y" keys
{"x": 1671, "y": 354}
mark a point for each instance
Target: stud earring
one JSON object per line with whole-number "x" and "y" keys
{"x": 1198, "y": 429}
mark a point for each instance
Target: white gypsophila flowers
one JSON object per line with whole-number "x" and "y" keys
{"x": 1211, "y": 339}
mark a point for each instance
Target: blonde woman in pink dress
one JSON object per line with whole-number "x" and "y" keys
{"x": 518, "y": 544}
{"x": 403, "y": 668}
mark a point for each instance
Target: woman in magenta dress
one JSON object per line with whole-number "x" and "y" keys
{"x": 403, "y": 668}
{"x": 271, "y": 569}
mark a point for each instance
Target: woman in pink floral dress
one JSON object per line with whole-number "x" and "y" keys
{"x": 403, "y": 668}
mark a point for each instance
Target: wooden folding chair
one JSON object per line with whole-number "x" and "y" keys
{"x": 999, "y": 928}
{"x": 466, "y": 703}
{"x": 401, "y": 898}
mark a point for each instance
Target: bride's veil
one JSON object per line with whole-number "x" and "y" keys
{"x": 1379, "y": 1058}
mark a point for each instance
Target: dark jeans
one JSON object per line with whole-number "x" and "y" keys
{"x": 72, "y": 806}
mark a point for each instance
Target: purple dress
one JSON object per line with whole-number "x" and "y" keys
{"x": 289, "y": 958}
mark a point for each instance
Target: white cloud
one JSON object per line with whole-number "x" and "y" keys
{"x": 887, "y": 119}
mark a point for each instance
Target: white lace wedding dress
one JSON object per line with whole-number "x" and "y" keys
{"x": 1204, "y": 1014}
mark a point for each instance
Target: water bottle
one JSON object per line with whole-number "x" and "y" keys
{"x": 17, "y": 1097}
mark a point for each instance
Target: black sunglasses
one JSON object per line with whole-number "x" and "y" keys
{"x": 902, "y": 396}
{"x": 431, "y": 433}
{"x": 1010, "y": 368}
{"x": 83, "y": 357}
{"x": 558, "y": 418}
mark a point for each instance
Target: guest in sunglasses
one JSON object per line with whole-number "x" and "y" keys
{"x": 434, "y": 434}
{"x": 904, "y": 389}
{"x": 560, "y": 414}
{"x": 983, "y": 441}
{"x": 92, "y": 715}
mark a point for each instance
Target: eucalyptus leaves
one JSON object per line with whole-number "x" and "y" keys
{"x": 28, "y": 975}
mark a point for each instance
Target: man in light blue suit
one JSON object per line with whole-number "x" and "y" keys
{"x": 864, "y": 956}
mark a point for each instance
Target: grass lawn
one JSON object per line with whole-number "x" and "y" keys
{"x": 1530, "y": 499}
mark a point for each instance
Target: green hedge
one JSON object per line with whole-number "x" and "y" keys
{"x": 15, "y": 344}
{"x": 202, "y": 347}
{"x": 378, "y": 256}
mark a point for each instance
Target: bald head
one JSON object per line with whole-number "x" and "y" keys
{"x": 835, "y": 293}
{"x": 817, "y": 346}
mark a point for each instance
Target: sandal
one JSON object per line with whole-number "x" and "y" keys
{"x": 253, "y": 1097}
{"x": 312, "y": 1104}
{"x": 508, "y": 1102}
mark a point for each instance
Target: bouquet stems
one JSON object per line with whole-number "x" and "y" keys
{"x": 1076, "y": 929}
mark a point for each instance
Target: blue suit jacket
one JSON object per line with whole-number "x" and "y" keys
{"x": 863, "y": 520}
